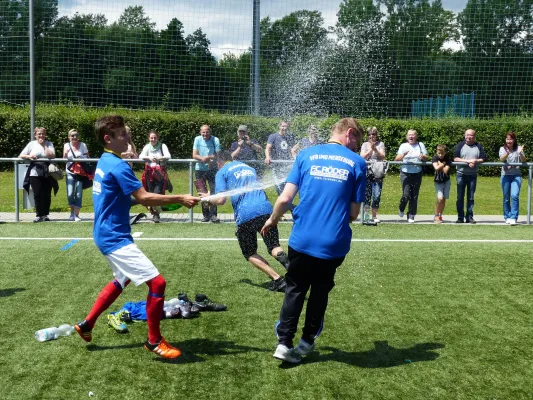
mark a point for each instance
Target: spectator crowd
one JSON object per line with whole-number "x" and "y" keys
{"x": 281, "y": 148}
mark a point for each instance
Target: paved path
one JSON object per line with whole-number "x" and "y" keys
{"x": 228, "y": 218}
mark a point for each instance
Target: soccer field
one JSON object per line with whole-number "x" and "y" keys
{"x": 444, "y": 313}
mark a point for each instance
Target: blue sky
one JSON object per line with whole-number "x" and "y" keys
{"x": 227, "y": 23}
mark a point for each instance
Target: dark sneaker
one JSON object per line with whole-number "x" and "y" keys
{"x": 46, "y": 219}
{"x": 163, "y": 349}
{"x": 287, "y": 354}
{"x": 283, "y": 259}
{"x": 156, "y": 218}
{"x": 84, "y": 330}
{"x": 38, "y": 219}
{"x": 136, "y": 218}
{"x": 204, "y": 303}
{"x": 470, "y": 221}
{"x": 206, "y": 219}
{"x": 460, "y": 221}
{"x": 277, "y": 285}
{"x": 214, "y": 219}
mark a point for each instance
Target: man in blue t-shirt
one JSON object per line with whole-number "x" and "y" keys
{"x": 113, "y": 187}
{"x": 331, "y": 179}
{"x": 251, "y": 209}
{"x": 205, "y": 149}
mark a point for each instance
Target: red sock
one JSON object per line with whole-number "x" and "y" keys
{"x": 106, "y": 297}
{"x": 154, "y": 307}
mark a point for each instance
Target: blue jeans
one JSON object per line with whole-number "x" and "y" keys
{"x": 511, "y": 195}
{"x": 465, "y": 183}
{"x": 373, "y": 192}
{"x": 74, "y": 191}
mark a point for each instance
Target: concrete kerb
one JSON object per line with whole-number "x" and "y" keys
{"x": 229, "y": 218}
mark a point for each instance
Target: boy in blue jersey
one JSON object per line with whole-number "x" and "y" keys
{"x": 331, "y": 179}
{"x": 251, "y": 209}
{"x": 114, "y": 184}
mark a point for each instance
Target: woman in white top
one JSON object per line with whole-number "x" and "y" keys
{"x": 411, "y": 175}
{"x": 41, "y": 183}
{"x": 511, "y": 179}
{"x": 154, "y": 177}
{"x": 74, "y": 149}
{"x": 373, "y": 150}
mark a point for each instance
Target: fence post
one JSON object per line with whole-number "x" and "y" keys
{"x": 17, "y": 211}
{"x": 529, "y": 179}
{"x": 191, "y": 191}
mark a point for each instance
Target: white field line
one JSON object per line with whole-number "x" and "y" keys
{"x": 285, "y": 240}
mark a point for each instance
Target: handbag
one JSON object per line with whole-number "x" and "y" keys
{"x": 55, "y": 172}
{"x": 377, "y": 169}
{"x": 86, "y": 169}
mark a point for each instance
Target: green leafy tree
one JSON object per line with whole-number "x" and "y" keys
{"x": 497, "y": 59}
{"x": 416, "y": 31}
{"x": 291, "y": 36}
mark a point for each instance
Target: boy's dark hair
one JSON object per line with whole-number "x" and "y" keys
{"x": 224, "y": 155}
{"x": 105, "y": 125}
{"x": 442, "y": 148}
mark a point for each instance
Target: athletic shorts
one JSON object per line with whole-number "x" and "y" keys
{"x": 247, "y": 236}
{"x": 130, "y": 263}
{"x": 443, "y": 189}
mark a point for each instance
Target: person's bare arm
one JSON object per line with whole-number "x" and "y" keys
{"x": 153, "y": 199}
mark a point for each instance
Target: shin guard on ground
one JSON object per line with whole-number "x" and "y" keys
{"x": 106, "y": 297}
{"x": 154, "y": 307}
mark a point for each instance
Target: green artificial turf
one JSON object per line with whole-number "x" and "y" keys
{"x": 488, "y": 198}
{"x": 406, "y": 320}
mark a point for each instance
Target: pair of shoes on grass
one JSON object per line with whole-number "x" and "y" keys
{"x": 204, "y": 303}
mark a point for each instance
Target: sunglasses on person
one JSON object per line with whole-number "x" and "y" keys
{"x": 74, "y": 135}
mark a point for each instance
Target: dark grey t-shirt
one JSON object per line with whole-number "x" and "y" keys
{"x": 281, "y": 146}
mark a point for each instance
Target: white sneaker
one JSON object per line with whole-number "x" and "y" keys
{"x": 376, "y": 220}
{"x": 304, "y": 348}
{"x": 400, "y": 214}
{"x": 411, "y": 220}
{"x": 508, "y": 220}
{"x": 77, "y": 219}
{"x": 512, "y": 221}
{"x": 283, "y": 353}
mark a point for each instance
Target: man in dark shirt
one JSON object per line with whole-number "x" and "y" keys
{"x": 472, "y": 153}
{"x": 245, "y": 148}
{"x": 279, "y": 147}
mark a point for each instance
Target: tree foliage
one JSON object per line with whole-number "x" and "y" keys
{"x": 379, "y": 57}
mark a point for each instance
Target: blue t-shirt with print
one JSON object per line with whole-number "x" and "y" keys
{"x": 247, "y": 205}
{"x": 205, "y": 148}
{"x": 114, "y": 182}
{"x": 330, "y": 177}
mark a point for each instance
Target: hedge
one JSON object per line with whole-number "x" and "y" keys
{"x": 178, "y": 130}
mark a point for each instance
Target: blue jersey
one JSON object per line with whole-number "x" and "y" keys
{"x": 247, "y": 205}
{"x": 330, "y": 177}
{"x": 114, "y": 182}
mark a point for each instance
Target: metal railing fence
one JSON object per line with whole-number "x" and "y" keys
{"x": 191, "y": 162}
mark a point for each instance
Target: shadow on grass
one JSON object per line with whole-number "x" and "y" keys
{"x": 10, "y": 292}
{"x": 95, "y": 347}
{"x": 382, "y": 356}
{"x": 259, "y": 285}
{"x": 195, "y": 350}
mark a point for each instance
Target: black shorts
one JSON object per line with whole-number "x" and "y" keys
{"x": 247, "y": 236}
